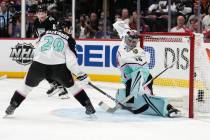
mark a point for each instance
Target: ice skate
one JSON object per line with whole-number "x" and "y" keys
{"x": 63, "y": 94}
{"x": 174, "y": 113}
{"x": 53, "y": 89}
{"x": 10, "y": 109}
{"x": 89, "y": 108}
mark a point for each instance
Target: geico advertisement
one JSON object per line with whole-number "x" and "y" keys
{"x": 99, "y": 57}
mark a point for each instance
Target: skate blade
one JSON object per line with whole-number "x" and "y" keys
{"x": 5, "y": 116}
{"x": 91, "y": 116}
{"x": 176, "y": 115}
{"x": 53, "y": 93}
{"x": 64, "y": 97}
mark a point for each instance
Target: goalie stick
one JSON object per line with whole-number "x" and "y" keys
{"x": 117, "y": 106}
{"x": 139, "y": 110}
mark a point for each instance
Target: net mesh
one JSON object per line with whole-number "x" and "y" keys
{"x": 201, "y": 76}
{"x": 175, "y": 84}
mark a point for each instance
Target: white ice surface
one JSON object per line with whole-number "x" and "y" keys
{"x": 49, "y": 118}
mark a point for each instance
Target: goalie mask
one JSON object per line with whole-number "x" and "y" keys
{"x": 131, "y": 39}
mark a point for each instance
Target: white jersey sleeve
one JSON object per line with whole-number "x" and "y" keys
{"x": 71, "y": 62}
{"x": 135, "y": 56}
{"x": 121, "y": 27}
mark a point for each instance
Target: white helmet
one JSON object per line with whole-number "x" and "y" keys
{"x": 131, "y": 39}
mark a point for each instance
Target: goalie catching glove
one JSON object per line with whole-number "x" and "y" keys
{"x": 83, "y": 78}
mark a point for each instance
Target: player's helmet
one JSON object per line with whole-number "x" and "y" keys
{"x": 42, "y": 8}
{"x": 131, "y": 39}
{"x": 61, "y": 24}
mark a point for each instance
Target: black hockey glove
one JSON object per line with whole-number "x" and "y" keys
{"x": 83, "y": 78}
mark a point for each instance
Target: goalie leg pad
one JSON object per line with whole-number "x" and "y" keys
{"x": 139, "y": 78}
{"x": 157, "y": 105}
{"x": 121, "y": 96}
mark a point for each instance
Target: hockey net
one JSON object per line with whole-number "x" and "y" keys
{"x": 187, "y": 84}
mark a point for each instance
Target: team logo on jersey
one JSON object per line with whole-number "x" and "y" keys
{"x": 135, "y": 51}
{"x": 22, "y": 53}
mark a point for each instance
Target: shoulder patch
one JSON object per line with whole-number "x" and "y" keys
{"x": 135, "y": 51}
{"x": 51, "y": 19}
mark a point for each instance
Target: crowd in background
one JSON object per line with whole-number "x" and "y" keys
{"x": 90, "y": 16}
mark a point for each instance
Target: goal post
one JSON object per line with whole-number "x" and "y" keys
{"x": 187, "y": 77}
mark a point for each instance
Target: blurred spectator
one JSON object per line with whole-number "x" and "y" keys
{"x": 181, "y": 27}
{"x": 206, "y": 21}
{"x": 15, "y": 5}
{"x": 125, "y": 15}
{"x": 42, "y": 22}
{"x": 117, "y": 15}
{"x": 194, "y": 15}
{"x": 80, "y": 27}
{"x": 30, "y": 18}
{"x": 183, "y": 7}
{"x": 69, "y": 16}
{"x": 157, "y": 16}
{"x": 32, "y": 5}
{"x": 5, "y": 15}
{"x": 206, "y": 24}
{"x": 100, "y": 33}
{"x": 195, "y": 25}
{"x": 91, "y": 25}
{"x": 3, "y": 12}
{"x": 15, "y": 26}
{"x": 154, "y": 15}
{"x": 133, "y": 23}
{"x": 204, "y": 4}
{"x": 48, "y": 2}
{"x": 102, "y": 19}
{"x": 158, "y": 7}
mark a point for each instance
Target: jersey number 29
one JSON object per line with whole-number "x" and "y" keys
{"x": 57, "y": 44}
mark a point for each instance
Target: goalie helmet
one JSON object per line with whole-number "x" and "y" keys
{"x": 131, "y": 39}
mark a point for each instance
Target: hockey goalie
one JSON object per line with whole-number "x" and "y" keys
{"x": 132, "y": 62}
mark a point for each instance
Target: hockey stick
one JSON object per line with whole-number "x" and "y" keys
{"x": 141, "y": 109}
{"x": 113, "y": 109}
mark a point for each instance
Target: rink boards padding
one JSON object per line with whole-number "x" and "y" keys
{"x": 97, "y": 58}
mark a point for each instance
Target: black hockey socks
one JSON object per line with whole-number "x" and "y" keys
{"x": 15, "y": 101}
{"x": 82, "y": 97}
{"x": 84, "y": 100}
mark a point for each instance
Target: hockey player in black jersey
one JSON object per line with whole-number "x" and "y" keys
{"x": 54, "y": 58}
{"x": 42, "y": 23}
